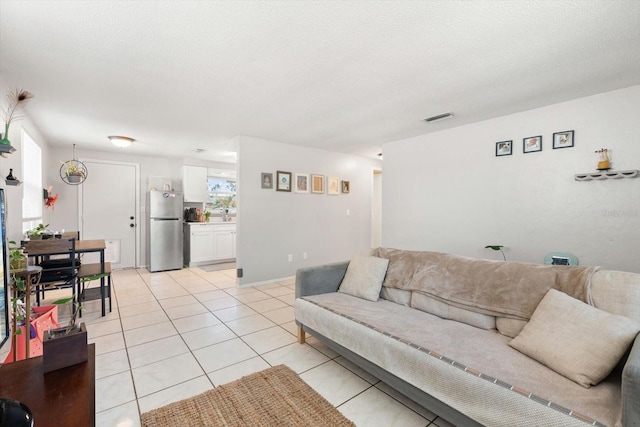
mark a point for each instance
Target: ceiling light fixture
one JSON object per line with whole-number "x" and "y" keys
{"x": 439, "y": 117}
{"x": 121, "y": 141}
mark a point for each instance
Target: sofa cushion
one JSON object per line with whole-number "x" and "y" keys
{"x": 509, "y": 327}
{"x": 617, "y": 292}
{"x": 364, "y": 277}
{"x": 438, "y": 308}
{"x": 575, "y": 339}
{"x": 399, "y": 296}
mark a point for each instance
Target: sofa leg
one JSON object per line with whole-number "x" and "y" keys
{"x": 301, "y": 335}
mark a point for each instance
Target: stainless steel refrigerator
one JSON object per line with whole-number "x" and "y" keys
{"x": 164, "y": 243}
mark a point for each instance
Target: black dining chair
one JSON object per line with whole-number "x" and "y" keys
{"x": 59, "y": 263}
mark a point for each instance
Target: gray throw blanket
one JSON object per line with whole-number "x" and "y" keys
{"x": 497, "y": 288}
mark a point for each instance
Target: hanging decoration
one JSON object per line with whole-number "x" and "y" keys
{"x": 51, "y": 200}
{"x": 73, "y": 172}
{"x": 15, "y": 99}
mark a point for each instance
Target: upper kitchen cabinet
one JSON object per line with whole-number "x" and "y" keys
{"x": 195, "y": 184}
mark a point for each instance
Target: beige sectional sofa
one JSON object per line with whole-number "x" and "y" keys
{"x": 484, "y": 342}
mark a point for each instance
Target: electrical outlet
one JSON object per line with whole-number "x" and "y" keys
{"x": 239, "y": 272}
{"x": 304, "y": 255}
{"x": 290, "y": 257}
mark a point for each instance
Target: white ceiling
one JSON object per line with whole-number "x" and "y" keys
{"x": 344, "y": 76}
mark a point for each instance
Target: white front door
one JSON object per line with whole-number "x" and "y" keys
{"x": 108, "y": 210}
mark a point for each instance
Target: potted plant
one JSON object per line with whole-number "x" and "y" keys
{"x": 17, "y": 259}
{"x": 37, "y": 232}
{"x": 74, "y": 173}
{"x": 207, "y": 215}
{"x": 65, "y": 346}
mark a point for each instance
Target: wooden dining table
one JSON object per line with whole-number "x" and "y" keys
{"x": 82, "y": 247}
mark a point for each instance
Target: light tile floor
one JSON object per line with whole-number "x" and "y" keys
{"x": 173, "y": 335}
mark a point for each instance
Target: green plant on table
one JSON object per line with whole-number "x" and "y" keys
{"x": 37, "y": 231}
{"x": 74, "y": 308}
{"x": 207, "y": 215}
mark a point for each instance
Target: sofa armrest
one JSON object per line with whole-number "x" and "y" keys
{"x": 631, "y": 387}
{"x": 320, "y": 279}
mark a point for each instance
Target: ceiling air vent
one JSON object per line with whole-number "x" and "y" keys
{"x": 438, "y": 117}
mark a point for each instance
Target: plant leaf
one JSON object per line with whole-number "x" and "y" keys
{"x": 63, "y": 300}
{"x": 494, "y": 247}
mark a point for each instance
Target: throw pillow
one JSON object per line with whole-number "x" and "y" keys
{"x": 575, "y": 339}
{"x": 364, "y": 277}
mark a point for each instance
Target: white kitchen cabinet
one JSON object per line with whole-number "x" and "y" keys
{"x": 195, "y": 184}
{"x": 198, "y": 243}
{"x": 208, "y": 243}
{"x": 224, "y": 237}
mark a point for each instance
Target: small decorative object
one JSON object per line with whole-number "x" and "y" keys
{"x": 345, "y": 186}
{"x": 604, "y": 163}
{"x": 50, "y": 200}
{"x": 15, "y": 99}
{"x": 207, "y": 215}
{"x": 66, "y": 346}
{"x": 497, "y": 248}
{"x": 333, "y": 185}
{"x": 504, "y": 148}
{"x": 73, "y": 172}
{"x": 12, "y": 180}
{"x": 302, "y": 183}
{"x": 532, "y": 144}
{"x": 266, "y": 180}
{"x": 563, "y": 139}
{"x": 317, "y": 184}
{"x": 283, "y": 181}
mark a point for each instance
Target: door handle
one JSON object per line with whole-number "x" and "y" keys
{"x": 131, "y": 225}
{"x": 131, "y": 218}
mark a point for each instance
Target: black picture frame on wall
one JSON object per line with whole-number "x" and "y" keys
{"x": 531, "y": 144}
{"x": 283, "y": 181}
{"x": 504, "y": 148}
{"x": 564, "y": 139}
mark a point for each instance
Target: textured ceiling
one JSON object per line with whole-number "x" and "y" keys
{"x": 345, "y": 76}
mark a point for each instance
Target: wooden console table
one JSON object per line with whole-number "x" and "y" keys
{"x": 65, "y": 397}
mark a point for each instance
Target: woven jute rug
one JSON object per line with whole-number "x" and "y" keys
{"x": 273, "y": 397}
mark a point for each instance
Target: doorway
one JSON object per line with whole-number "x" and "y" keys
{"x": 376, "y": 210}
{"x": 108, "y": 209}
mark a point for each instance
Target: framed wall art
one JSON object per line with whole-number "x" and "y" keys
{"x": 266, "y": 180}
{"x": 345, "y": 186}
{"x": 563, "y": 139}
{"x": 504, "y": 148}
{"x": 283, "y": 181}
{"x": 317, "y": 184}
{"x": 302, "y": 183}
{"x": 333, "y": 185}
{"x": 532, "y": 144}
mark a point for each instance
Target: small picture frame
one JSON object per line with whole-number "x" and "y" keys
{"x": 504, "y": 148}
{"x": 302, "y": 183}
{"x": 266, "y": 180}
{"x": 532, "y": 144}
{"x": 283, "y": 181}
{"x": 563, "y": 139}
{"x": 333, "y": 185}
{"x": 345, "y": 186}
{"x": 317, "y": 184}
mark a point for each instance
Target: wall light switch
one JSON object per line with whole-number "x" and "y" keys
{"x": 348, "y": 212}
{"x": 290, "y": 257}
{"x": 304, "y": 255}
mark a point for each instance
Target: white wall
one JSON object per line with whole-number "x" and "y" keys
{"x": 447, "y": 191}
{"x": 14, "y": 161}
{"x": 272, "y": 224}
